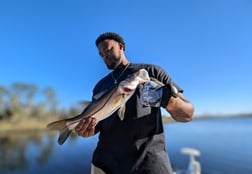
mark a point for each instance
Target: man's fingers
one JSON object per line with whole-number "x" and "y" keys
{"x": 91, "y": 128}
{"x": 86, "y": 127}
{"x": 80, "y": 125}
{"x": 92, "y": 123}
{"x": 91, "y": 131}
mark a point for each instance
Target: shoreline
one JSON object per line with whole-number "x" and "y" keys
{"x": 8, "y": 127}
{"x": 33, "y": 125}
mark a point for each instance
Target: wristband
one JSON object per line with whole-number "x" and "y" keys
{"x": 168, "y": 91}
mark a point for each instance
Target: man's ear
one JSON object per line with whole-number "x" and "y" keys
{"x": 121, "y": 46}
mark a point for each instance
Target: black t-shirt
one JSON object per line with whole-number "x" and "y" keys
{"x": 137, "y": 143}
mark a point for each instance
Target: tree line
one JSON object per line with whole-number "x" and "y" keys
{"x": 25, "y": 100}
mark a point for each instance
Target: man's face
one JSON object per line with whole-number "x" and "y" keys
{"x": 110, "y": 51}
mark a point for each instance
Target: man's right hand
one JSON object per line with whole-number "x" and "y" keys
{"x": 86, "y": 127}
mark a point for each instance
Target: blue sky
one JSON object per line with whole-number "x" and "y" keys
{"x": 204, "y": 45}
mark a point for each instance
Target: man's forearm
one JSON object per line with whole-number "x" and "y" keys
{"x": 180, "y": 109}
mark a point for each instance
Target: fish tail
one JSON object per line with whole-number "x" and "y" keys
{"x": 64, "y": 134}
{"x": 57, "y": 125}
{"x": 62, "y": 128}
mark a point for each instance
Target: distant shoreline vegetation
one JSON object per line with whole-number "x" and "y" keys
{"x": 210, "y": 116}
{"x": 24, "y": 101}
{"x": 20, "y": 109}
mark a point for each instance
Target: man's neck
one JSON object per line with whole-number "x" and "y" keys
{"x": 123, "y": 64}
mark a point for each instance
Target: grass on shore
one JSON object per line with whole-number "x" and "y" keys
{"x": 36, "y": 125}
{"x": 21, "y": 126}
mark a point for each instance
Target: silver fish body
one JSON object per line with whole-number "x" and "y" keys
{"x": 104, "y": 106}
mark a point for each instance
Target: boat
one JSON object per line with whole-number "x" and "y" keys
{"x": 194, "y": 166}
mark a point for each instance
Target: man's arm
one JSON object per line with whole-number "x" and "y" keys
{"x": 180, "y": 108}
{"x": 176, "y": 104}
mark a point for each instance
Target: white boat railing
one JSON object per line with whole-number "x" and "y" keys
{"x": 193, "y": 165}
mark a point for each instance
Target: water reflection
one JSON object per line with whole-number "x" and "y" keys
{"x": 16, "y": 149}
{"x": 38, "y": 152}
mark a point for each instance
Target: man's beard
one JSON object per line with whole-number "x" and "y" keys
{"x": 113, "y": 65}
{"x": 115, "y": 62}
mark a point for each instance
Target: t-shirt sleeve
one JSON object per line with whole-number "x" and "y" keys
{"x": 161, "y": 75}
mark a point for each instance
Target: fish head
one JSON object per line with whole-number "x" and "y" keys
{"x": 142, "y": 76}
{"x": 129, "y": 85}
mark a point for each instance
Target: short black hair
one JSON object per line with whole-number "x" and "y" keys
{"x": 110, "y": 35}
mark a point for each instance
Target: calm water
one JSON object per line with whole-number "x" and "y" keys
{"x": 225, "y": 145}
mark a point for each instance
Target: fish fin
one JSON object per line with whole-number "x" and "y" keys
{"x": 64, "y": 134}
{"x": 121, "y": 112}
{"x": 62, "y": 128}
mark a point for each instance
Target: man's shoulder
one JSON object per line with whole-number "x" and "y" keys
{"x": 146, "y": 66}
{"x": 152, "y": 69}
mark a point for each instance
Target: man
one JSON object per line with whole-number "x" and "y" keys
{"x": 137, "y": 143}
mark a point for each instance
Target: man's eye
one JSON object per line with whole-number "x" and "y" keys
{"x": 108, "y": 49}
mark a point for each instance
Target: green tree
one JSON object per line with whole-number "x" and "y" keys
{"x": 3, "y": 94}
{"x": 31, "y": 90}
{"x": 26, "y": 93}
{"x": 22, "y": 98}
{"x": 14, "y": 100}
{"x": 51, "y": 100}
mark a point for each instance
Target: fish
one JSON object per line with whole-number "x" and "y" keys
{"x": 104, "y": 106}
